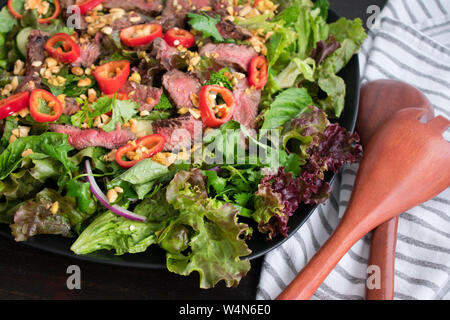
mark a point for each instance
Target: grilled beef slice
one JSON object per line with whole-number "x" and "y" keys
{"x": 146, "y": 7}
{"x": 169, "y": 57}
{"x": 146, "y": 96}
{"x": 229, "y": 30}
{"x": 230, "y": 55}
{"x": 90, "y": 52}
{"x": 35, "y": 53}
{"x": 175, "y": 12}
{"x": 179, "y": 133}
{"x": 84, "y": 138}
{"x": 247, "y": 104}
{"x": 180, "y": 87}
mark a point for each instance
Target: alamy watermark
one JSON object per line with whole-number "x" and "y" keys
{"x": 228, "y": 147}
{"x": 372, "y": 21}
{"x": 373, "y": 281}
{"x": 74, "y": 279}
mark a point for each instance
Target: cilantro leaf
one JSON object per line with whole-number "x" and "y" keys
{"x": 89, "y": 112}
{"x": 122, "y": 112}
{"x": 163, "y": 104}
{"x": 206, "y": 24}
{"x": 242, "y": 199}
{"x": 215, "y": 181}
{"x": 219, "y": 78}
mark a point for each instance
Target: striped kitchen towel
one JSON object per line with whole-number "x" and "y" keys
{"x": 410, "y": 42}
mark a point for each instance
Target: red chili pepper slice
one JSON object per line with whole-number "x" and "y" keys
{"x": 119, "y": 95}
{"x": 37, "y": 98}
{"x": 258, "y": 72}
{"x": 178, "y": 37}
{"x": 141, "y": 34}
{"x": 255, "y": 4}
{"x": 63, "y": 48}
{"x": 136, "y": 151}
{"x": 214, "y": 115}
{"x": 87, "y": 5}
{"x": 55, "y": 14}
{"x": 13, "y": 104}
{"x": 111, "y": 76}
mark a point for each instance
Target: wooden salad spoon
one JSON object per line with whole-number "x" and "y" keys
{"x": 406, "y": 163}
{"x": 379, "y": 100}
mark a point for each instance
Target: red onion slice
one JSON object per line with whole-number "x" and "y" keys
{"x": 95, "y": 189}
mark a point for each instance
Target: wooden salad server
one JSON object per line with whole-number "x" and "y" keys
{"x": 406, "y": 163}
{"x": 379, "y": 100}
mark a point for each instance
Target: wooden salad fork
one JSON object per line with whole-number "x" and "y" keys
{"x": 379, "y": 100}
{"x": 406, "y": 163}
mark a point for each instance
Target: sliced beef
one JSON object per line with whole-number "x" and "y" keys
{"x": 90, "y": 52}
{"x": 147, "y": 7}
{"x": 128, "y": 20}
{"x": 70, "y": 106}
{"x": 247, "y": 104}
{"x": 35, "y": 53}
{"x": 219, "y": 7}
{"x": 229, "y": 30}
{"x": 84, "y": 138}
{"x": 180, "y": 87}
{"x": 230, "y": 54}
{"x": 169, "y": 57}
{"x": 179, "y": 133}
{"x": 175, "y": 12}
{"x": 150, "y": 71}
{"x": 146, "y": 96}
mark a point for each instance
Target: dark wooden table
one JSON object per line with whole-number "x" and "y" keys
{"x": 27, "y": 273}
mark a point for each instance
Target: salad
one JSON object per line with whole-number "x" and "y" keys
{"x": 189, "y": 125}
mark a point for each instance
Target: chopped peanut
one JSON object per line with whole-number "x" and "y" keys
{"x": 26, "y": 153}
{"x": 54, "y": 208}
{"x": 77, "y": 71}
{"x": 112, "y": 195}
{"x": 135, "y": 77}
{"x": 84, "y": 82}
{"x": 19, "y": 68}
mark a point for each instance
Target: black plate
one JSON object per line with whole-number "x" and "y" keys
{"x": 154, "y": 257}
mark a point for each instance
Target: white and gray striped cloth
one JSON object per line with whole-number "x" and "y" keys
{"x": 411, "y": 42}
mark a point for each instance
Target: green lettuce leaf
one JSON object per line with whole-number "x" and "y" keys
{"x": 24, "y": 183}
{"x": 350, "y": 34}
{"x": 80, "y": 191}
{"x": 35, "y": 217}
{"x": 215, "y": 244}
{"x": 52, "y": 144}
{"x": 140, "y": 179}
{"x": 296, "y": 68}
{"x": 257, "y": 22}
{"x": 324, "y": 6}
{"x": 280, "y": 47}
{"x": 268, "y": 204}
{"x": 287, "y": 105}
{"x": 109, "y": 231}
{"x": 7, "y": 20}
